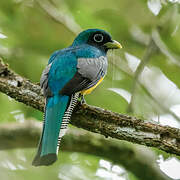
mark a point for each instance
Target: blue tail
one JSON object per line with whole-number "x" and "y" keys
{"x": 54, "y": 112}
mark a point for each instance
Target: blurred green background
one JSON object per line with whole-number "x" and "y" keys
{"x": 31, "y": 30}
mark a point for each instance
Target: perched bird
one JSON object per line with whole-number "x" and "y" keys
{"x": 70, "y": 72}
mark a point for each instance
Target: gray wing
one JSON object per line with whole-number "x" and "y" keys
{"x": 89, "y": 72}
{"x": 92, "y": 68}
{"x": 44, "y": 81}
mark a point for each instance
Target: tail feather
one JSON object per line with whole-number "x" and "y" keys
{"x": 67, "y": 116}
{"x": 54, "y": 112}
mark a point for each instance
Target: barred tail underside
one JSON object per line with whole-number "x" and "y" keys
{"x": 66, "y": 118}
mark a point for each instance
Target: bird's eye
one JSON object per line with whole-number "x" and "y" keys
{"x": 98, "y": 38}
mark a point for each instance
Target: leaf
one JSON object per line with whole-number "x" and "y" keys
{"x": 170, "y": 167}
{"x": 174, "y": 1}
{"x": 122, "y": 92}
{"x": 2, "y": 36}
{"x": 154, "y": 6}
{"x": 133, "y": 61}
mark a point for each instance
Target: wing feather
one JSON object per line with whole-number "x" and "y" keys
{"x": 90, "y": 71}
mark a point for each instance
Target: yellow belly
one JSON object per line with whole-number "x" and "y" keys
{"x": 88, "y": 91}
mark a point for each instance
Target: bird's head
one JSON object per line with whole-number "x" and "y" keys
{"x": 98, "y": 38}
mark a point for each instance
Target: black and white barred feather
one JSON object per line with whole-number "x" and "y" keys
{"x": 66, "y": 118}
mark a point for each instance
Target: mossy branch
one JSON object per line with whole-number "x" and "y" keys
{"x": 95, "y": 119}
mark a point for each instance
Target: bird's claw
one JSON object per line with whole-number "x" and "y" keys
{"x": 82, "y": 100}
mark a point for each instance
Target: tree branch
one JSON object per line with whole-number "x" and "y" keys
{"x": 155, "y": 44}
{"x": 148, "y": 53}
{"x": 123, "y": 67}
{"x": 95, "y": 119}
{"x": 134, "y": 159}
{"x": 164, "y": 49}
{"x": 65, "y": 19}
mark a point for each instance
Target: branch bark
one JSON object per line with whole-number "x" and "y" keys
{"x": 134, "y": 159}
{"x": 95, "y": 119}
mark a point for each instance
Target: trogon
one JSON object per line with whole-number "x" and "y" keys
{"x": 70, "y": 72}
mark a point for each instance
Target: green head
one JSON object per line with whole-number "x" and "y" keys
{"x": 98, "y": 38}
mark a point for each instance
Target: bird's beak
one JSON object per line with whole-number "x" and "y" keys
{"x": 113, "y": 45}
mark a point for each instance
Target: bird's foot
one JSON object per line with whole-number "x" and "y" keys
{"x": 82, "y": 100}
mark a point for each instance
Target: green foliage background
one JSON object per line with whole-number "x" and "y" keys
{"x": 32, "y": 36}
